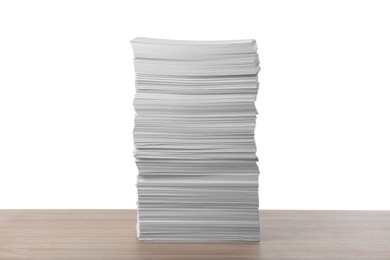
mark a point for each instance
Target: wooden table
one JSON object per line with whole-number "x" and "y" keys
{"x": 110, "y": 235}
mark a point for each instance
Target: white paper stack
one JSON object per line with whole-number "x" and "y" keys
{"x": 194, "y": 140}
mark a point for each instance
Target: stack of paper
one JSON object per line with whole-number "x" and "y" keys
{"x": 194, "y": 140}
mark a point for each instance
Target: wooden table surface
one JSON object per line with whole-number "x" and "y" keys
{"x": 110, "y": 235}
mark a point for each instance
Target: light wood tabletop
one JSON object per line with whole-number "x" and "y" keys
{"x": 110, "y": 235}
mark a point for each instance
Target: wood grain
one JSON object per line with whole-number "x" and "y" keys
{"x": 110, "y": 235}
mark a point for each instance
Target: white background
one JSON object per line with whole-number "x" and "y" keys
{"x": 66, "y": 90}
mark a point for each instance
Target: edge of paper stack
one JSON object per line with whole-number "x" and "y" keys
{"x": 194, "y": 140}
